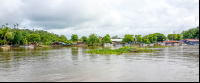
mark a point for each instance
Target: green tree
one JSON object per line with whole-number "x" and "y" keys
{"x": 106, "y": 39}
{"x": 179, "y": 37}
{"x": 128, "y": 38}
{"x": 18, "y": 37}
{"x": 7, "y": 34}
{"x": 62, "y": 38}
{"x": 172, "y": 36}
{"x": 155, "y": 37}
{"x": 33, "y": 38}
{"x": 85, "y": 39}
{"x": 146, "y": 41}
{"x": 74, "y": 37}
{"x": 139, "y": 38}
{"x": 160, "y": 37}
{"x": 192, "y": 33}
{"x": 115, "y": 37}
{"x": 3, "y": 42}
{"x": 93, "y": 39}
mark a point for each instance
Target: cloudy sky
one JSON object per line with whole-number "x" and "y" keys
{"x": 114, "y": 17}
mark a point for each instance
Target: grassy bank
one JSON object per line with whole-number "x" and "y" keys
{"x": 120, "y": 50}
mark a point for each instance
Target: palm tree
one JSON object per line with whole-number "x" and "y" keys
{"x": 14, "y": 25}
{"x": 17, "y": 25}
{"x": 6, "y": 24}
{"x": 3, "y": 26}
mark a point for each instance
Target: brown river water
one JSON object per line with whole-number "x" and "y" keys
{"x": 72, "y": 64}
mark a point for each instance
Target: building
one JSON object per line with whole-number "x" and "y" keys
{"x": 191, "y": 41}
{"x": 58, "y": 43}
{"x": 116, "y": 41}
{"x": 172, "y": 42}
{"x": 80, "y": 43}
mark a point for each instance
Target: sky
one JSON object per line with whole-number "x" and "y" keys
{"x": 113, "y": 17}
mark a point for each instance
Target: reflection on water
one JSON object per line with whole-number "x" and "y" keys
{"x": 179, "y": 63}
{"x": 74, "y": 51}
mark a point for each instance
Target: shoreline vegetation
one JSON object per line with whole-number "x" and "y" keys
{"x": 121, "y": 50}
{"x": 13, "y": 36}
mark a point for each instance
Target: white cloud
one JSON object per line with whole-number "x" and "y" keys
{"x": 114, "y": 17}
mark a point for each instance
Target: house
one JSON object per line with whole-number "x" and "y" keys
{"x": 58, "y": 43}
{"x": 107, "y": 44}
{"x": 191, "y": 41}
{"x": 116, "y": 41}
{"x": 172, "y": 42}
{"x": 80, "y": 42}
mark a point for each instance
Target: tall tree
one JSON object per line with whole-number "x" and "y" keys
{"x": 192, "y": 33}
{"x": 62, "y": 38}
{"x": 139, "y": 38}
{"x": 179, "y": 37}
{"x": 7, "y": 34}
{"x": 128, "y": 38}
{"x": 93, "y": 39}
{"x": 106, "y": 39}
{"x": 18, "y": 37}
{"x": 172, "y": 36}
{"x": 115, "y": 37}
{"x": 33, "y": 38}
{"x": 74, "y": 37}
{"x": 160, "y": 37}
{"x": 85, "y": 39}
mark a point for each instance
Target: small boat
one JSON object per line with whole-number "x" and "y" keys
{"x": 5, "y": 46}
{"x": 26, "y": 46}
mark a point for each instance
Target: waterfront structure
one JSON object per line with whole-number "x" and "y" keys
{"x": 191, "y": 41}
{"x": 116, "y": 41}
{"x": 172, "y": 42}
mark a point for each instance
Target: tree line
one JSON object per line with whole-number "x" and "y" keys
{"x": 16, "y": 36}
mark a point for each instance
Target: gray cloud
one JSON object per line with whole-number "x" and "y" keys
{"x": 114, "y": 17}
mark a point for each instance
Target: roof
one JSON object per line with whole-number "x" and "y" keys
{"x": 192, "y": 39}
{"x": 172, "y": 41}
{"x": 116, "y": 40}
{"x": 79, "y": 41}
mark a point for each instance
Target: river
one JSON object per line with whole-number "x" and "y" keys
{"x": 72, "y": 64}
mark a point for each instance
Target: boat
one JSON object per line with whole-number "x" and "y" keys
{"x": 26, "y": 46}
{"x": 5, "y": 46}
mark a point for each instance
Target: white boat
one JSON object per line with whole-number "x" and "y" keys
{"x": 5, "y": 46}
{"x": 26, "y": 46}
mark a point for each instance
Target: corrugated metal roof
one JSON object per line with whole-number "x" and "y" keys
{"x": 192, "y": 39}
{"x": 116, "y": 40}
{"x": 172, "y": 41}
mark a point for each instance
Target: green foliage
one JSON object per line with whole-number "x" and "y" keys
{"x": 106, "y": 39}
{"x": 74, "y": 37}
{"x": 68, "y": 42}
{"x": 115, "y": 37}
{"x": 151, "y": 38}
{"x": 62, "y": 38}
{"x": 93, "y": 39}
{"x": 47, "y": 43}
{"x": 155, "y": 37}
{"x": 18, "y": 37}
{"x": 33, "y": 38}
{"x": 192, "y": 33}
{"x": 160, "y": 37}
{"x": 146, "y": 41}
{"x": 172, "y": 36}
{"x": 179, "y": 37}
{"x": 3, "y": 42}
{"x": 139, "y": 38}
{"x": 128, "y": 38}
{"x": 119, "y": 51}
{"x": 84, "y": 38}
